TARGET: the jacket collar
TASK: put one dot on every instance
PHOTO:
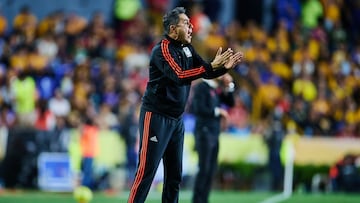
(173, 41)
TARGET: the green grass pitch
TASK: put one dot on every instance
(185, 197)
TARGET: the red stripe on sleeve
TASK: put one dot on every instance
(176, 68)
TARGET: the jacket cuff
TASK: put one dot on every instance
(208, 67)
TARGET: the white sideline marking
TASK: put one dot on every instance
(288, 179)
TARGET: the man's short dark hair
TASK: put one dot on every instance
(172, 18)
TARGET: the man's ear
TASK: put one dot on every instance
(172, 28)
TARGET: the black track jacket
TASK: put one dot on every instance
(173, 66)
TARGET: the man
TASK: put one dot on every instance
(173, 65)
(208, 105)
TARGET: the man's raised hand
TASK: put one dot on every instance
(221, 58)
(233, 60)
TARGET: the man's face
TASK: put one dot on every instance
(184, 29)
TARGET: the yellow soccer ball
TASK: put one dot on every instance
(83, 194)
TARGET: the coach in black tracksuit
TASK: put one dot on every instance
(210, 98)
(173, 65)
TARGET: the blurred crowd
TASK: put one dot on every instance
(301, 67)
(302, 63)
